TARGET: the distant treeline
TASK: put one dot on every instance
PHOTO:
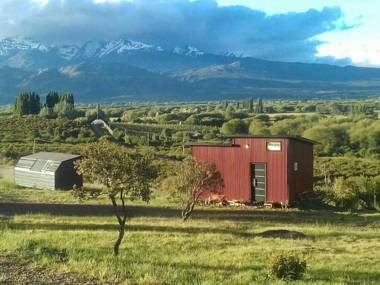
(29, 103)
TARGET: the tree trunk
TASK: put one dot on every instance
(121, 219)
(116, 246)
(186, 213)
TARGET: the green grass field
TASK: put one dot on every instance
(217, 246)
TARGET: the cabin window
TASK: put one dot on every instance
(295, 166)
(274, 146)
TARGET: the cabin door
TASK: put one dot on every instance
(258, 182)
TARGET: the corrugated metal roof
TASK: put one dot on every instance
(273, 137)
(53, 156)
(44, 161)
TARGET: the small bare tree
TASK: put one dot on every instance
(193, 180)
(124, 176)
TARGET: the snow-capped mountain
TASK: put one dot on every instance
(99, 49)
(34, 55)
(68, 52)
(123, 68)
(13, 45)
(188, 51)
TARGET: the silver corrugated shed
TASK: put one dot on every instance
(47, 170)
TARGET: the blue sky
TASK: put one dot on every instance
(330, 31)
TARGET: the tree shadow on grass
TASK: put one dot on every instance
(281, 233)
(130, 228)
(245, 215)
(268, 234)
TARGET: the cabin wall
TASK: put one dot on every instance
(276, 166)
(234, 163)
(227, 161)
(300, 180)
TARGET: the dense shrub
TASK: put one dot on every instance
(287, 266)
(234, 127)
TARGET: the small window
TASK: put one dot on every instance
(274, 146)
(295, 166)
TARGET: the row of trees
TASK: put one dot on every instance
(29, 103)
(354, 135)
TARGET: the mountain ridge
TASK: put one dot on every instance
(141, 71)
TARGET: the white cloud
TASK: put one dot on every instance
(203, 24)
(361, 53)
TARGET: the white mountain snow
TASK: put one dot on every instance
(89, 50)
(12, 45)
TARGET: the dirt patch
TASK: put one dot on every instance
(284, 234)
(13, 270)
(6, 171)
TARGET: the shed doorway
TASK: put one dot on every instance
(258, 182)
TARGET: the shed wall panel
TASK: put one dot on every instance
(67, 177)
(36, 180)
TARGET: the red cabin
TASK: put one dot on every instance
(268, 169)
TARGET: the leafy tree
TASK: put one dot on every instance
(123, 175)
(234, 127)
(331, 138)
(345, 194)
(257, 127)
(68, 98)
(63, 109)
(46, 112)
(52, 98)
(248, 104)
(259, 108)
(27, 104)
(194, 179)
(236, 115)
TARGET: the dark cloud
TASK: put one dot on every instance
(169, 23)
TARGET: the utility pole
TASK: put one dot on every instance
(34, 145)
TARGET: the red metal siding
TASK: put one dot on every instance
(228, 162)
(234, 165)
(275, 163)
(301, 180)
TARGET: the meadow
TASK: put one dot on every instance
(55, 231)
(51, 235)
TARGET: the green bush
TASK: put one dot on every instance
(287, 266)
(353, 193)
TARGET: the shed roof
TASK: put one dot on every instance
(43, 161)
(54, 156)
(274, 137)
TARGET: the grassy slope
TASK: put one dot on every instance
(218, 246)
